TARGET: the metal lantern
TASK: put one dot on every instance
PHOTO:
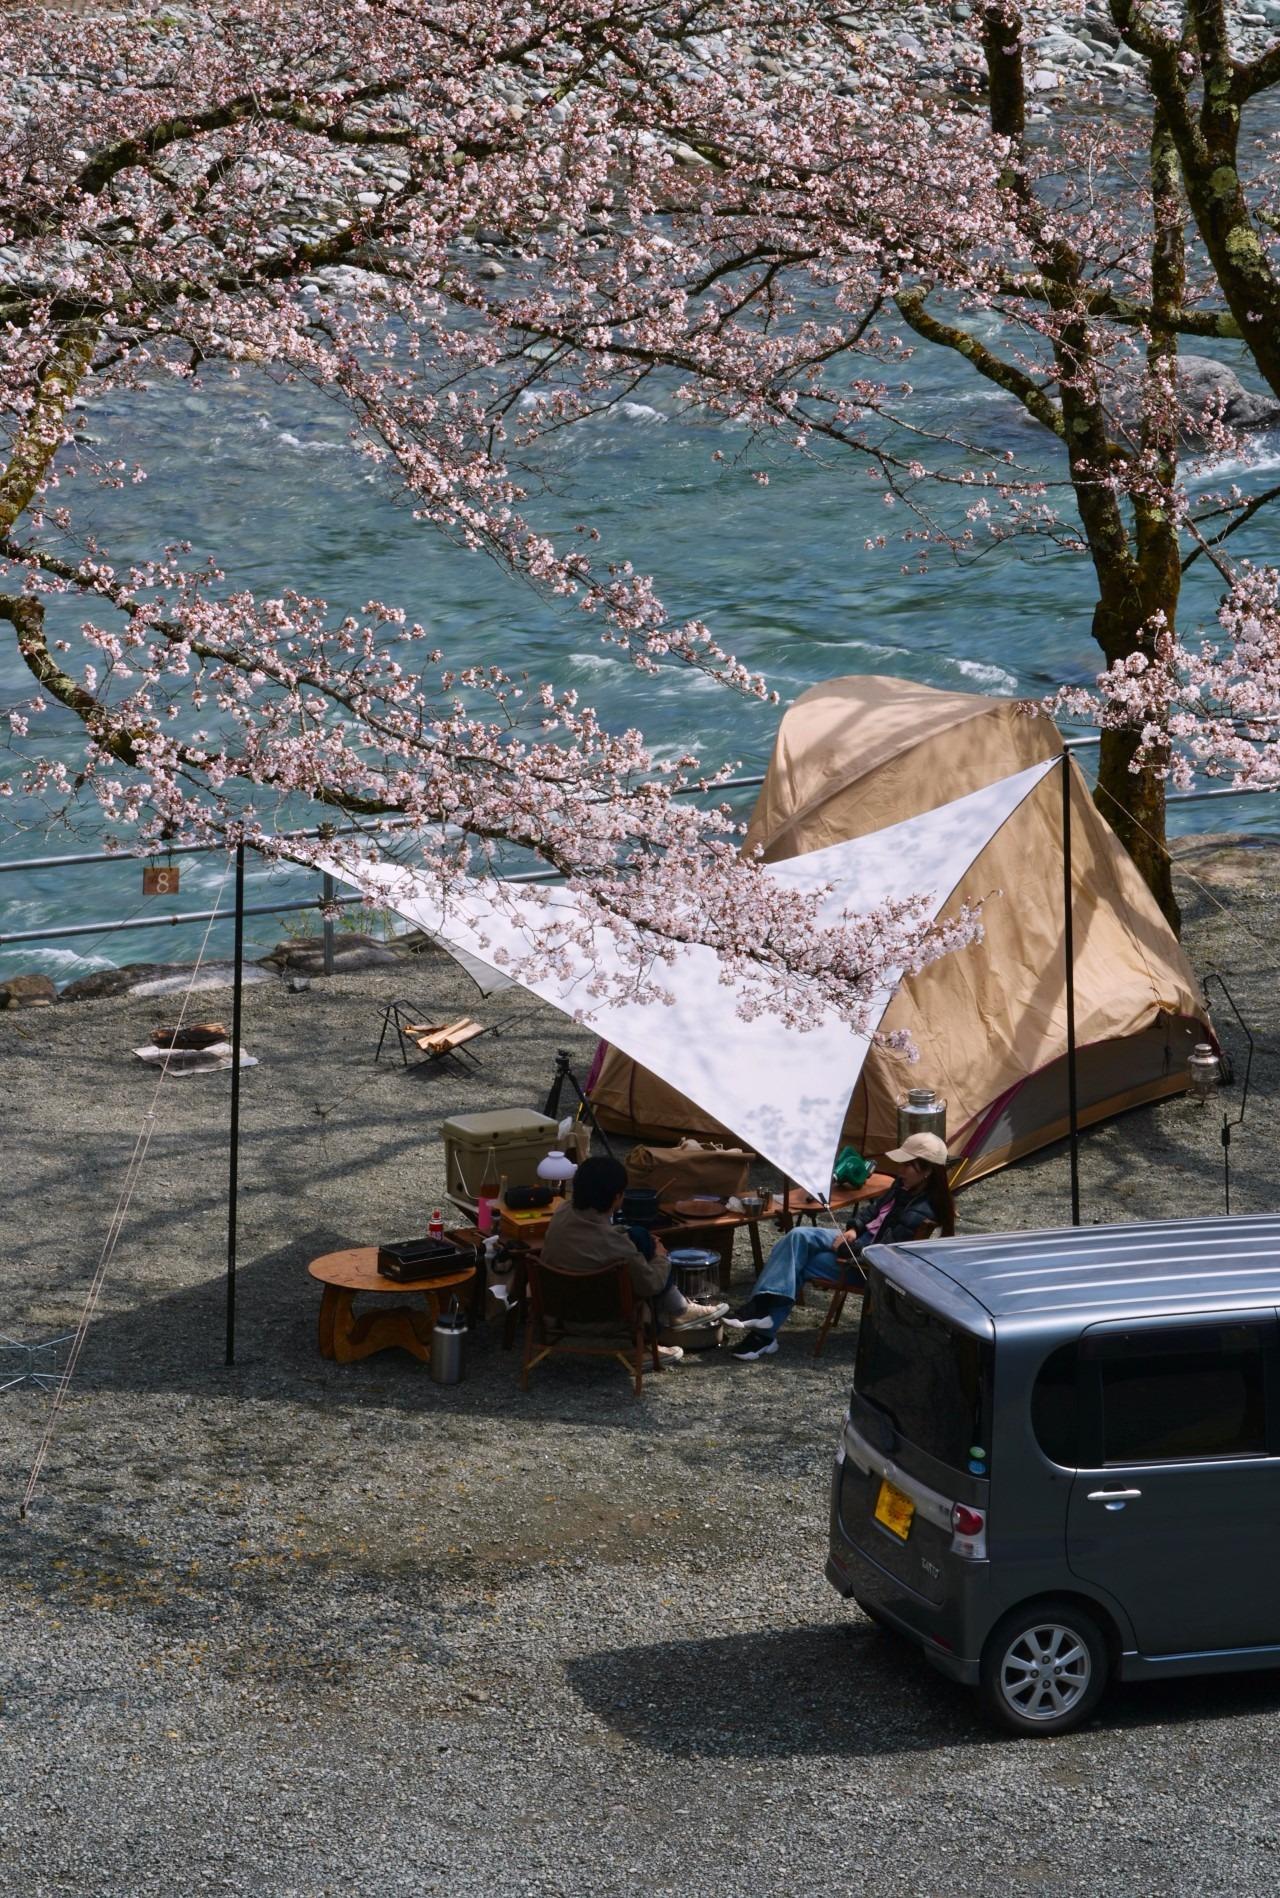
(921, 1111)
(1204, 1071)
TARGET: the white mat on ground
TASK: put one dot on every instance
(783, 1091)
(194, 1060)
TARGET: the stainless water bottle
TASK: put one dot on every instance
(446, 1347)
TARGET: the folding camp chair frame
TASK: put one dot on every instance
(409, 1021)
(545, 1336)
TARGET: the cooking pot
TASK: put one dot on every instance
(640, 1207)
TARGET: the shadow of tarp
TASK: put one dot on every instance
(176, 1343)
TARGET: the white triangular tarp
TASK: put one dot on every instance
(486, 978)
(782, 1090)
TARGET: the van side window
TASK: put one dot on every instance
(1189, 1391)
(1054, 1407)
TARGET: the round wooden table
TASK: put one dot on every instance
(345, 1337)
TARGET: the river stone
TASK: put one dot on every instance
(351, 952)
(158, 978)
(1203, 380)
(1205, 386)
(210, 975)
(27, 991)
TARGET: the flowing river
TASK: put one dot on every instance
(266, 480)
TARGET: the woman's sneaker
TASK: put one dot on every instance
(740, 1323)
(670, 1353)
(756, 1345)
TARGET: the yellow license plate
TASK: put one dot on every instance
(895, 1510)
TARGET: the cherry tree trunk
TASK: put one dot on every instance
(1133, 803)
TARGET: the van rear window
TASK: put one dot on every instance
(930, 1378)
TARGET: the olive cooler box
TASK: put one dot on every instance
(481, 1149)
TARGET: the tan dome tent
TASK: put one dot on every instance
(989, 1023)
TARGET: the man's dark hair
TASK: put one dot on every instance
(597, 1183)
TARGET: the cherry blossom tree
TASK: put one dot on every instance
(834, 226)
(754, 203)
(287, 192)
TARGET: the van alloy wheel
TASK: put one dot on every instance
(1044, 1668)
(1045, 1672)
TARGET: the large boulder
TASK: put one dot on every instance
(1210, 393)
(1206, 385)
(27, 991)
(158, 978)
(304, 955)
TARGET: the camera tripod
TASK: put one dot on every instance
(564, 1075)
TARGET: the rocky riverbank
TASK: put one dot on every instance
(297, 957)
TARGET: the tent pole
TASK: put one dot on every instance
(1069, 955)
(233, 1182)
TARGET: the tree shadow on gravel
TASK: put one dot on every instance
(839, 1688)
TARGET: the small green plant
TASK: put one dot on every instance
(368, 919)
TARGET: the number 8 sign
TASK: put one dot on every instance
(160, 880)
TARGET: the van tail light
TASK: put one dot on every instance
(968, 1532)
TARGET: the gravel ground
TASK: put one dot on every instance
(299, 1628)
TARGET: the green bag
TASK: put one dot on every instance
(850, 1168)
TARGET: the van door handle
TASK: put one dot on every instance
(1114, 1498)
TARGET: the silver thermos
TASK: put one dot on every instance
(921, 1111)
(446, 1346)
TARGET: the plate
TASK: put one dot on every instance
(707, 1207)
(895, 1510)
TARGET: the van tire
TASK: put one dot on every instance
(1044, 1667)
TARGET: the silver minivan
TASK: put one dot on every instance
(1061, 1458)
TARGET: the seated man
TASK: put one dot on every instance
(582, 1237)
(920, 1196)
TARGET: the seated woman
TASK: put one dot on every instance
(920, 1196)
(582, 1237)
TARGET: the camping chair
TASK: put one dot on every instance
(840, 1289)
(604, 1300)
(438, 1041)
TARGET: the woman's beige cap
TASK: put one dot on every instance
(925, 1147)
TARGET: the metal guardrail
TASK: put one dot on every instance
(329, 900)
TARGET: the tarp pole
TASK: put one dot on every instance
(1069, 955)
(233, 1183)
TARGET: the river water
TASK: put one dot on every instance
(265, 479)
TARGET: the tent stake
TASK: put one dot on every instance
(1069, 955)
(234, 1174)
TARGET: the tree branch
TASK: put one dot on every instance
(1005, 375)
(1218, 325)
(26, 616)
(41, 431)
(1246, 513)
(1257, 75)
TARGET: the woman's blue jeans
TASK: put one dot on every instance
(803, 1254)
